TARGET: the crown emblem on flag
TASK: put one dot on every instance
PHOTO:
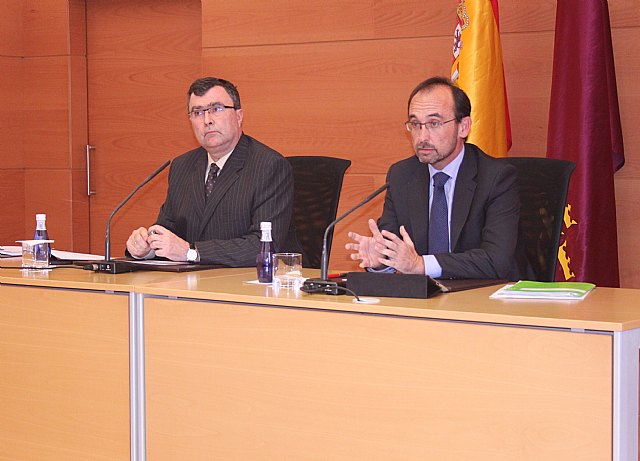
(463, 17)
(462, 21)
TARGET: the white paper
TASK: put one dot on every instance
(15, 250)
(10, 250)
(71, 256)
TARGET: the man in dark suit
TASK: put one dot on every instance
(220, 192)
(480, 205)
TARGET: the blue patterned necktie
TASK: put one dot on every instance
(211, 179)
(439, 217)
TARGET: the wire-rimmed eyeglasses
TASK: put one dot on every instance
(214, 109)
(430, 125)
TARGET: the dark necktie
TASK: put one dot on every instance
(439, 217)
(211, 179)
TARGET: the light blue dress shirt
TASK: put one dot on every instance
(431, 266)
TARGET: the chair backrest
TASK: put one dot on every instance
(543, 184)
(317, 186)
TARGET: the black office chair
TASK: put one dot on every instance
(317, 186)
(543, 184)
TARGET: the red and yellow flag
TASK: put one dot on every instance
(477, 69)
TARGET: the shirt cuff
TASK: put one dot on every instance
(431, 266)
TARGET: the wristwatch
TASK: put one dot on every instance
(192, 254)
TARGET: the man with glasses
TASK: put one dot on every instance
(220, 192)
(451, 211)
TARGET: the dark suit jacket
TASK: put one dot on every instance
(256, 184)
(484, 217)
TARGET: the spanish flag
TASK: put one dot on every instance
(477, 69)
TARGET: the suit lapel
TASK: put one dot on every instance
(196, 183)
(228, 176)
(418, 193)
(466, 183)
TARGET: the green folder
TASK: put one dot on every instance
(527, 289)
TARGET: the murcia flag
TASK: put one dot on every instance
(584, 127)
(477, 69)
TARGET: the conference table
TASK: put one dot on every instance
(206, 365)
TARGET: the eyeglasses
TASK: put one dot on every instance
(431, 125)
(215, 109)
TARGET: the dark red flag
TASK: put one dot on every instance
(584, 126)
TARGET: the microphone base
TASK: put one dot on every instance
(111, 267)
(318, 285)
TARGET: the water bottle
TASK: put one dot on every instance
(42, 234)
(264, 260)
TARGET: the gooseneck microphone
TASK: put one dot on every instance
(323, 284)
(114, 266)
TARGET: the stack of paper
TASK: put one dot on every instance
(526, 289)
(10, 251)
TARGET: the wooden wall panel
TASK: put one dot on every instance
(245, 22)
(626, 42)
(11, 115)
(50, 191)
(77, 103)
(624, 13)
(12, 206)
(628, 224)
(60, 129)
(11, 31)
(46, 103)
(11, 123)
(142, 56)
(77, 28)
(528, 62)
(47, 22)
(519, 16)
(44, 123)
(626, 45)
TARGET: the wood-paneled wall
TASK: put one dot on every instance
(43, 112)
(11, 162)
(316, 78)
(141, 57)
(332, 78)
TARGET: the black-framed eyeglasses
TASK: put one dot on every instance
(430, 125)
(215, 109)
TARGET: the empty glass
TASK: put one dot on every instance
(287, 270)
(35, 253)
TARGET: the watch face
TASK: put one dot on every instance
(192, 255)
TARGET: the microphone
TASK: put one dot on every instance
(323, 284)
(109, 265)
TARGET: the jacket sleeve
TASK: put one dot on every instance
(487, 248)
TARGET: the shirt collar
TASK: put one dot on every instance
(220, 162)
(451, 169)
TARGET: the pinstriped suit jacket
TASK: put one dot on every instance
(484, 215)
(256, 184)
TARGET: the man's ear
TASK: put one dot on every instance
(464, 127)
